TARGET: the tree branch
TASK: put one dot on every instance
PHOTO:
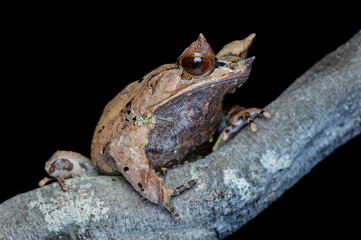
(317, 113)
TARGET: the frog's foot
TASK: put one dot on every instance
(245, 116)
(171, 192)
(61, 181)
(66, 164)
(184, 187)
(237, 118)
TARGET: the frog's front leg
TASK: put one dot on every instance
(235, 119)
(132, 162)
(66, 164)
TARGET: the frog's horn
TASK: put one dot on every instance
(200, 46)
(237, 48)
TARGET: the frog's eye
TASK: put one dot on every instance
(196, 65)
(197, 60)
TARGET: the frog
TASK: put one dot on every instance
(156, 121)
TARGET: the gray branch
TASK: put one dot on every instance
(317, 113)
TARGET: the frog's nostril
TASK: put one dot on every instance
(221, 64)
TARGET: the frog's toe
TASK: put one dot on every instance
(45, 180)
(63, 185)
(184, 187)
(265, 114)
(247, 116)
(172, 210)
(163, 173)
(60, 180)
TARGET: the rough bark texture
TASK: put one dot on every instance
(315, 115)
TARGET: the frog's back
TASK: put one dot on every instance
(137, 99)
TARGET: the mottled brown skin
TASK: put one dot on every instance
(155, 122)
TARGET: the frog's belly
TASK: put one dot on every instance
(181, 127)
(168, 153)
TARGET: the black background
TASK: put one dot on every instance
(64, 63)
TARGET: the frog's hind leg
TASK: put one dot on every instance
(168, 193)
(135, 167)
(237, 117)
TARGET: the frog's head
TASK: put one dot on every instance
(199, 62)
(197, 69)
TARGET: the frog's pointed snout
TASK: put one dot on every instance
(250, 38)
(237, 48)
(249, 61)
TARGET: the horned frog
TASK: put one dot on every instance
(156, 121)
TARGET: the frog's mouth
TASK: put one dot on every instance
(230, 71)
(232, 61)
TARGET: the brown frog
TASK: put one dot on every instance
(156, 121)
